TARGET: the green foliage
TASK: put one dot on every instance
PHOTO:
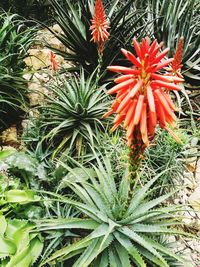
(19, 196)
(166, 153)
(27, 168)
(16, 173)
(74, 19)
(15, 199)
(73, 114)
(15, 39)
(5, 153)
(171, 20)
(19, 247)
(32, 137)
(97, 217)
(118, 228)
(30, 9)
(115, 147)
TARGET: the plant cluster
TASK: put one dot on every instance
(73, 113)
(170, 22)
(15, 40)
(86, 191)
(29, 9)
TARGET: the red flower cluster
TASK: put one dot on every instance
(53, 61)
(99, 26)
(142, 92)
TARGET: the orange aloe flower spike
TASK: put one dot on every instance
(124, 103)
(160, 56)
(160, 115)
(176, 64)
(137, 48)
(99, 26)
(53, 61)
(169, 101)
(143, 85)
(117, 123)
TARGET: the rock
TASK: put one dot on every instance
(4, 148)
(37, 89)
(43, 77)
(25, 124)
(188, 179)
(45, 37)
(171, 239)
(197, 248)
(55, 43)
(56, 28)
(194, 141)
(34, 113)
(40, 58)
(9, 136)
(189, 217)
(194, 199)
(197, 172)
(192, 159)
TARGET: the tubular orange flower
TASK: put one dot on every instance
(53, 61)
(142, 92)
(99, 26)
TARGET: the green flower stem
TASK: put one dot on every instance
(135, 160)
(100, 60)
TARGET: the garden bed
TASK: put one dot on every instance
(99, 160)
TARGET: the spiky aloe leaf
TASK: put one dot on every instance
(124, 238)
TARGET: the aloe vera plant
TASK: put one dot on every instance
(73, 113)
(116, 227)
(74, 18)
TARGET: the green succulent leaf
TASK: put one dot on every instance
(21, 196)
(5, 153)
(20, 247)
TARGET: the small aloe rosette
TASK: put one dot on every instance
(99, 26)
(142, 92)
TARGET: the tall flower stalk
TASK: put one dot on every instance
(142, 95)
(99, 31)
